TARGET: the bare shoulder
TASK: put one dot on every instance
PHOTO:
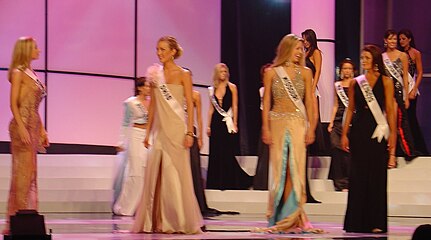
(232, 86)
(306, 71)
(269, 71)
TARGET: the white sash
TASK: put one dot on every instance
(412, 81)
(156, 75)
(291, 90)
(36, 80)
(341, 94)
(227, 116)
(391, 69)
(382, 128)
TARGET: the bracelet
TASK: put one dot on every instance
(191, 134)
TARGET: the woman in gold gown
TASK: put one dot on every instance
(286, 119)
(168, 202)
(26, 130)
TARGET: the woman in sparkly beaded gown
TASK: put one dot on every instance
(288, 86)
(26, 130)
(396, 65)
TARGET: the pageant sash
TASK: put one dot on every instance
(227, 116)
(36, 80)
(382, 128)
(341, 94)
(156, 76)
(393, 71)
(412, 82)
(291, 90)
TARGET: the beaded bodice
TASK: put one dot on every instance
(282, 105)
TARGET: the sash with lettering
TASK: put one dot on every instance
(291, 90)
(393, 71)
(412, 81)
(341, 94)
(156, 76)
(227, 116)
(382, 128)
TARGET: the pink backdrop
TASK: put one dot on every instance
(97, 36)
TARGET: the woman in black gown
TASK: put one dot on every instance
(367, 200)
(407, 44)
(224, 171)
(340, 160)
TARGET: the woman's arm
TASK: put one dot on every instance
(198, 104)
(334, 111)
(350, 109)
(150, 116)
(234, 91)
(389, 107)
(317, 57)
(419, 74)
(16, 84)
(310, 103)
(187, 83)
(267, 81)
(405, 62)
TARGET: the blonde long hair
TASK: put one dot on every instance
(22, 54)
(285, 49)
(216, 75)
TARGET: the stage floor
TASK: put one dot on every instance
(106, 227)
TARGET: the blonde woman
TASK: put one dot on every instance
(168, 202)
(26, 130)
(224, 171)
(285, 128)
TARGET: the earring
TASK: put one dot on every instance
(385, 45)
(172, 57)
(376, 68)
(341, 76)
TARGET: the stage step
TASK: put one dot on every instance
(84, 183)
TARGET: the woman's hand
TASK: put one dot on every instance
(330, 126)
(147, 141)
(24, 135)
(200, 142)
(45, 141)
(188, 141)
(309, 136)
(413, 93)
(266, 137)
(407, 103)
(345, 143)
(208, 131)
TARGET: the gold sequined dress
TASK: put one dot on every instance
(23, 188)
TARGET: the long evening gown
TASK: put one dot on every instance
(23, 193)
(137, 155)
(224, 172)
(168, 202)
(287, 157)
(340, 162)
(367, 200)
(420, 145)
(405, 142)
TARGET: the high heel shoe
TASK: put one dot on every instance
(392, 162)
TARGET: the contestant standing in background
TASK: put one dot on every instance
(260, 179)
(26, 130)
(133, 131)
(224, 172)
(195, 161)
(407, 42)
(340, 162)
(288, 86)
(396, 64)
(168, 202)
(371, 135)
(313, 60)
